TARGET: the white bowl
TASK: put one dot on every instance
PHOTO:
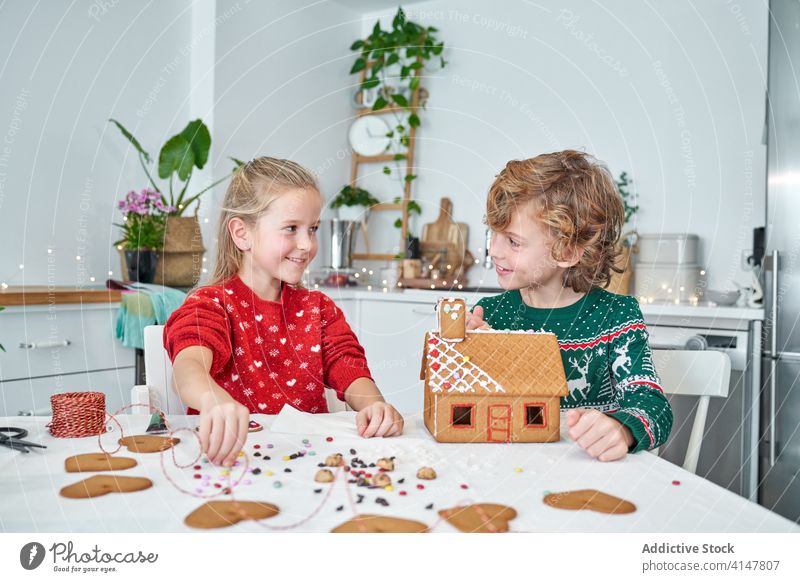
(722, 297)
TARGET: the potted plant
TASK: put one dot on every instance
(180, 263)
(394, 61)
(620, 281)
(144, 218)
(353, 203)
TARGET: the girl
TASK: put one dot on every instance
(252, 340)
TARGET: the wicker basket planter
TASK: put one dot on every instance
(180, 262)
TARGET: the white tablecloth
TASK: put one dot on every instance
(30, 484)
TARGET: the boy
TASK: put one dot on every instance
(556, 220)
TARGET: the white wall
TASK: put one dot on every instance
(281, 87)
(670, 91)
(65, 69)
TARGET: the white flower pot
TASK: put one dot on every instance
(352, 213)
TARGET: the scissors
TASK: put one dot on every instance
(13, 441)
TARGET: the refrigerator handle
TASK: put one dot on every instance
(773, 360)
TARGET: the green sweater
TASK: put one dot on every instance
(606, 357)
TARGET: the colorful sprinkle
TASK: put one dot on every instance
(312, 454)
(285, 457)
(403, 493)
(518, 469)
(305, 441)
(464, 486)
(277, 485)
(329, 439)
(420, 486)
(676, 482)
(197, 467)
(197, 475)
(270, 446)
(269, 473)
(256, 446)
(389, 488)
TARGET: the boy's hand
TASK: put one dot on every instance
(475, 319)
(601, 436)
(223, 428)
(379, 419)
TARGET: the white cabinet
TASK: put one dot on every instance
(33, 394)
(61, 348)
(392, 333)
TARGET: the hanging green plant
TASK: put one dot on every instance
(628, 198)
(395, 61)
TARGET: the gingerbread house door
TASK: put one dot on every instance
(499, 428)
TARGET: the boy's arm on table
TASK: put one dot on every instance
(643, 407)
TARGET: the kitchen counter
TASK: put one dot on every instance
(45, 295)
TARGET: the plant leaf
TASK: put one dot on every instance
(400, 100)
(380, 103)
(370, 83)
(393, 58)
(399, 157)
(357, 45)
(413, 120)
(414, 83)
(176, 156)
(387, 170)
(129, 136)
(359, 65)
(199, 138)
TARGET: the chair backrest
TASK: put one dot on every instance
(158, 376)
(158, 372)
(694, 373)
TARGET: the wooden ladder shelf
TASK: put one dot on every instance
(357, 160)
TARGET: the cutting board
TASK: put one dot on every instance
(445, 236)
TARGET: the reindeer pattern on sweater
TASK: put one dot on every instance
(606, 357)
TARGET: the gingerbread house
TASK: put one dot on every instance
(488, 385)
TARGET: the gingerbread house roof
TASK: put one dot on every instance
(490, 362)
(495, 363)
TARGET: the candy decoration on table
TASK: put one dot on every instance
(145, 443)
(426, 473)
(590, 499)
(385, 464)
(365, 523)
(78, 414)
(100, 485)
(480, 517)
(217, 514)
(253, 426)
(324, 476)
(489, 385)
(90, 462)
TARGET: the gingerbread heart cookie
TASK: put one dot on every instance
(148, 443)
(590, 499)
(380, 524)
(103, 484)
(97, 462)
(216, 514)
(480, 517)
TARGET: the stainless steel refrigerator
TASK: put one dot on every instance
(779, 447)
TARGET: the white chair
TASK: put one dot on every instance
(704, 374)
(158, 376)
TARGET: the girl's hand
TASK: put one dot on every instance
(601, 436)
(475, 319)
(223, 427)
(379, 419)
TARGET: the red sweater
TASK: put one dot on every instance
(267, 353)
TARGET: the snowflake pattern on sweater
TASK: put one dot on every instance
(270, 353)
(607, 360)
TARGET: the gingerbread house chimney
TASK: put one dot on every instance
(452, 319)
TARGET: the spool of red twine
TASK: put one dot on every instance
(78, 414)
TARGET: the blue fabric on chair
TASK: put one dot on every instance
(152, 305)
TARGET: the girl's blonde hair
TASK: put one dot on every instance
(253, 188)
(576, 197)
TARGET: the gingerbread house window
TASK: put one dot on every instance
(463, 416)
(535, 415)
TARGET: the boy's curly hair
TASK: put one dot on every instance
(576, 197)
